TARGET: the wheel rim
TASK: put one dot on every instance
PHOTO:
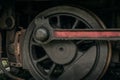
(94, 54)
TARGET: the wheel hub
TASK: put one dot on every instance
(61, 52)
(41, 34)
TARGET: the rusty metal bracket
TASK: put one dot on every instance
(2, 66)
(16, 47)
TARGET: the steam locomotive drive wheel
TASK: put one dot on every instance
(63, 59)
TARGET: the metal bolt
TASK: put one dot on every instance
(41, 34)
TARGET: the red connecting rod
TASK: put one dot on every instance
(89, 34)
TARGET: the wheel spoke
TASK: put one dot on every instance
(35, 43)
(78, 42)
(75, 24)
(58, 21)
(89, 44)
(52, 69)
(42, 59)
(85, 45)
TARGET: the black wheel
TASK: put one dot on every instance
(72, 60)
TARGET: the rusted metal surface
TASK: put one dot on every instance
(16, 47)
(1, 64)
